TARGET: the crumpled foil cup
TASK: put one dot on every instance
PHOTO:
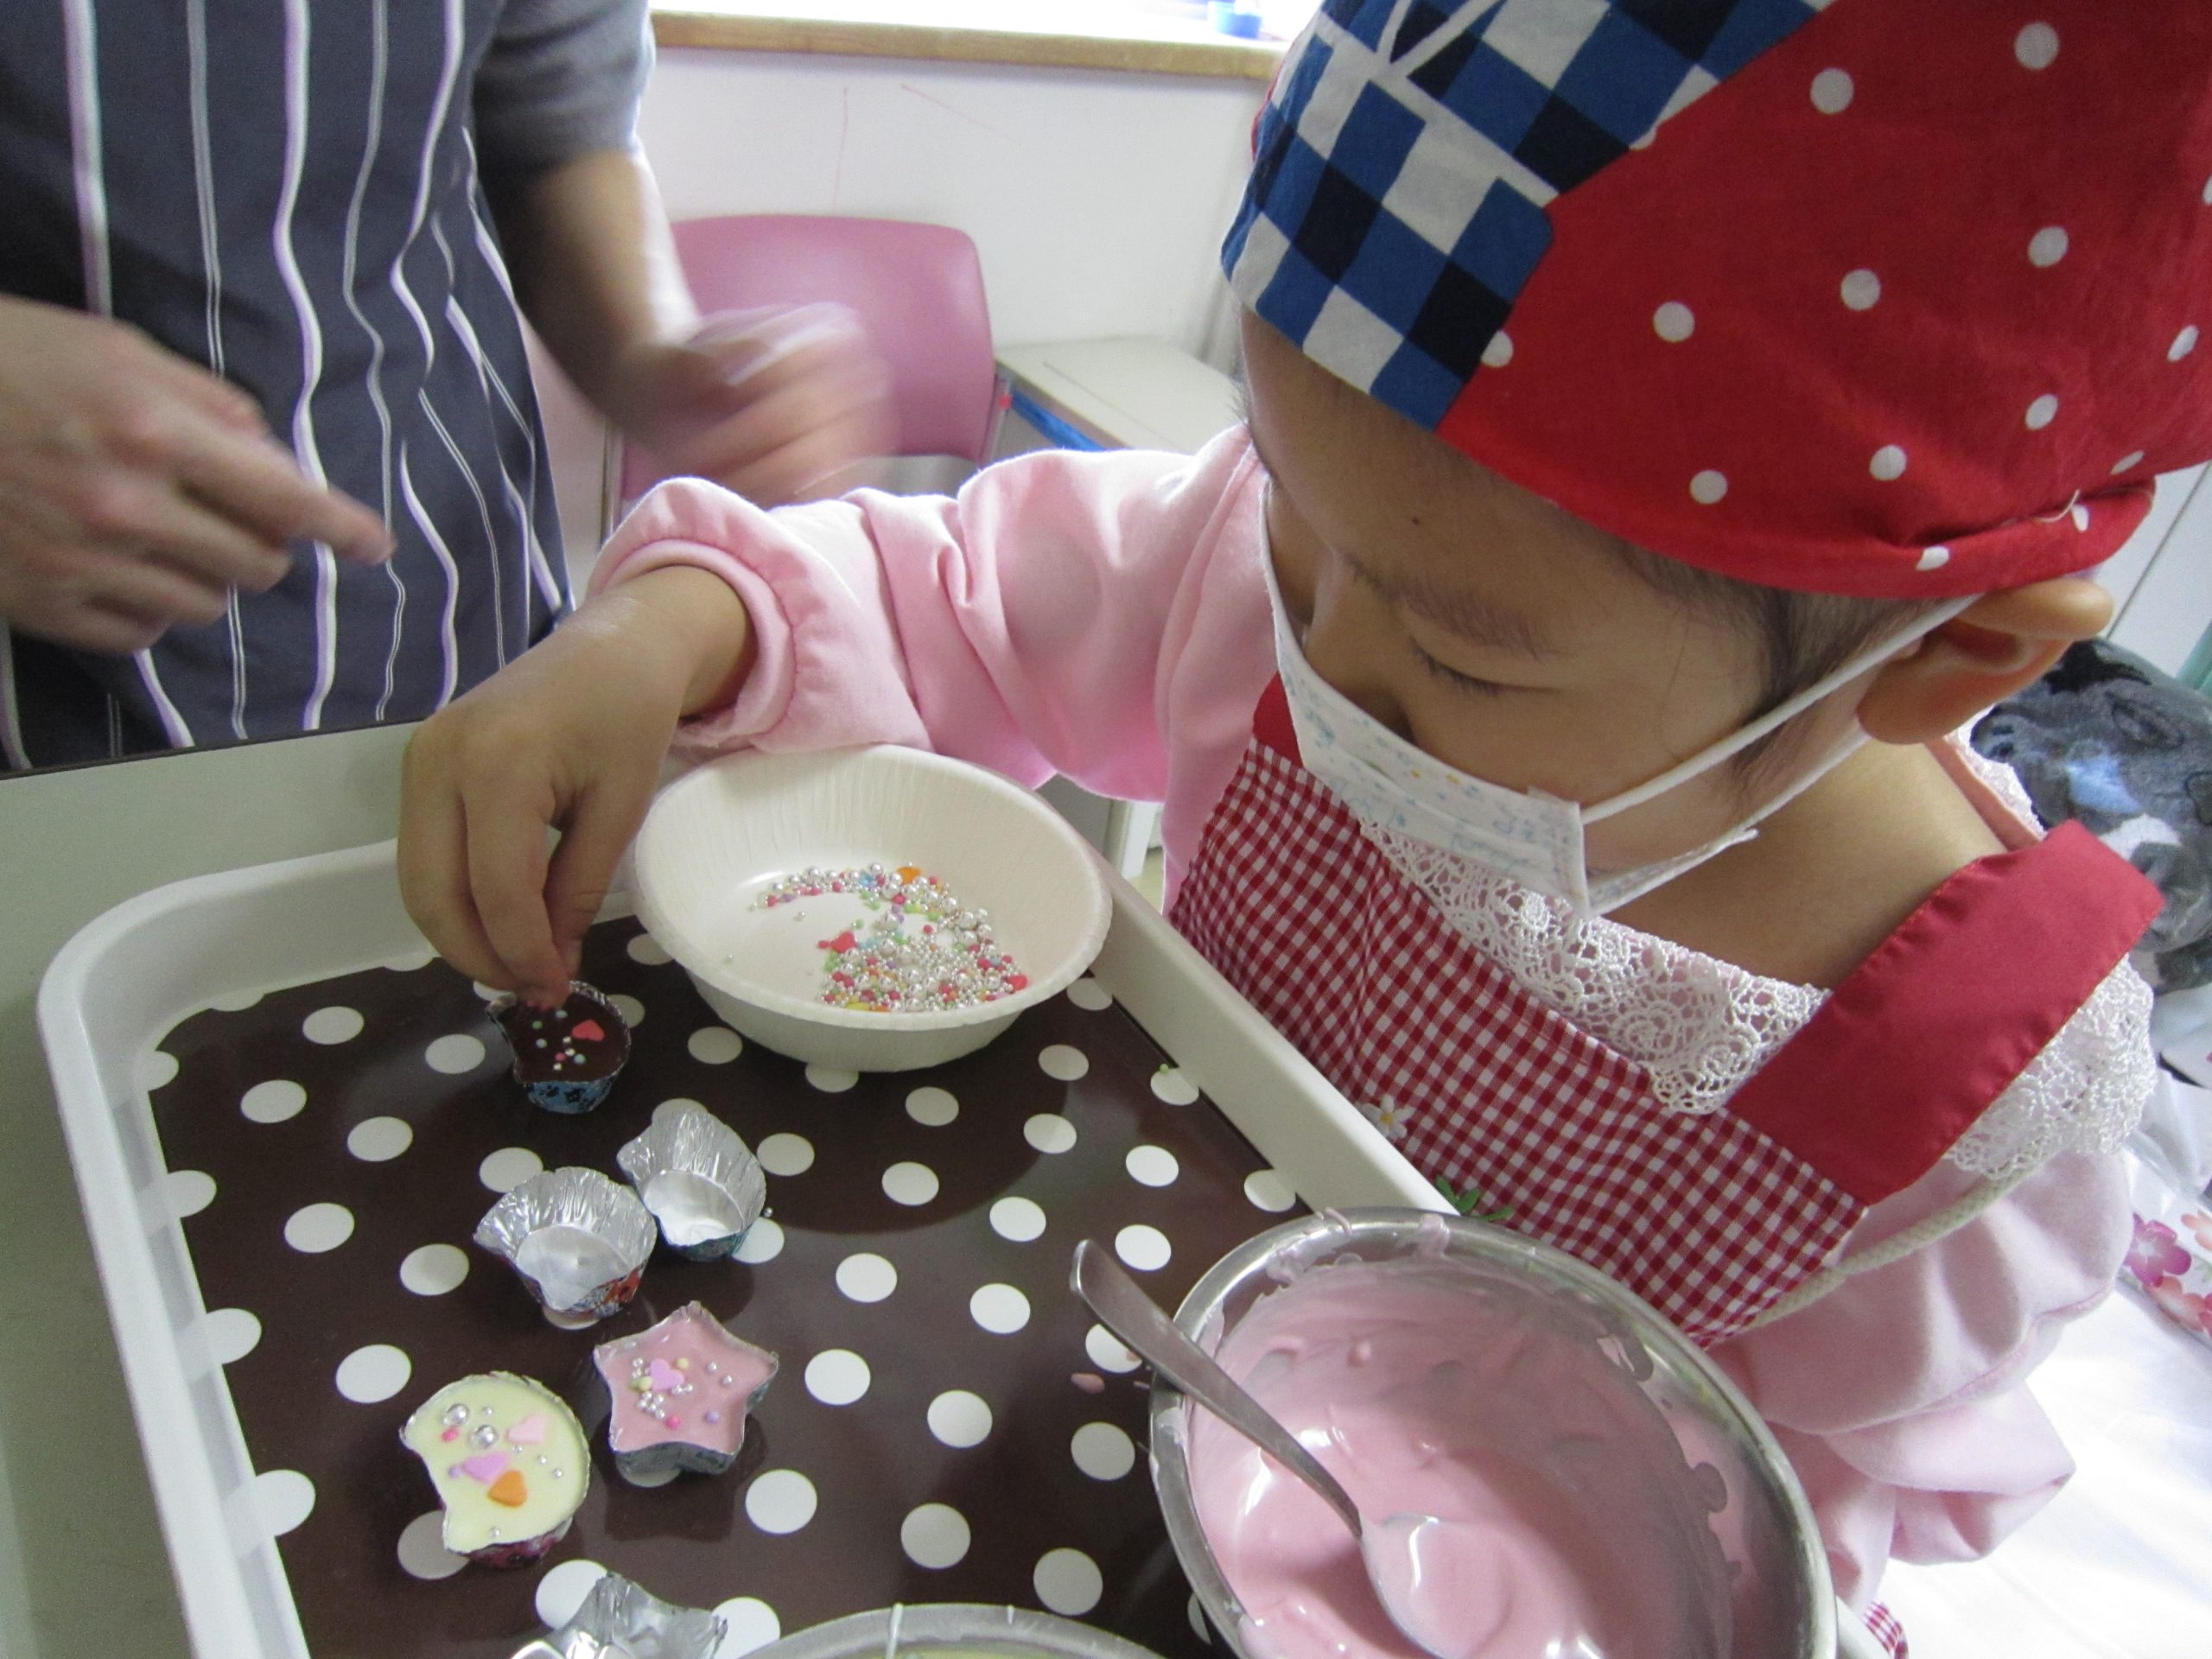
(619, 1620)
(578, 1239)
(701, 1182)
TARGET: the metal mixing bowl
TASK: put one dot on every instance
(1783, 1604)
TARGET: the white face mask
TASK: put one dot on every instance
(1532, 837)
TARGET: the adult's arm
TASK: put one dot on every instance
(767, 407)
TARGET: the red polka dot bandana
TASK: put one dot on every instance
(1877, 297)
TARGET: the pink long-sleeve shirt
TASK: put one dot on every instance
(1105, 616)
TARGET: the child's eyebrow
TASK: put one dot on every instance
(1468, 616)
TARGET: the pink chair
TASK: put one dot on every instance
(917, 289)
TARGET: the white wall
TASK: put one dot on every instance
(1096, 199)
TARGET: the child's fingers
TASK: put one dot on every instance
(600, 824)
(506, 859)
(434, 878)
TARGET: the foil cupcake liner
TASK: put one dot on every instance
(578, 1239)
(546, 1428)
(568, 1095)
(702, 1184)
(619, 1620)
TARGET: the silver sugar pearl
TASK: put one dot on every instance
(455, 1416)
(486, 1437)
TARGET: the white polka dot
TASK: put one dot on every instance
(1708, 486)
(1090, 995)
(933, 1107)
(2046, 247)
(910, 1184)
(379, 1140)
(780, 1501)
(2184, 343)
(315, 1228)
(2128, 462)
(1048, 1132)
(1104, 1452)
(750, 1623)
(1017, 1220)
(1499, 351)
(1145, 1248)
(232, 1333)
(564, 1589)
(273, 1101)
(234, 1001)
(508, 1168)
(837, 1377)
(1268, 1191)
(646, 948)
(785, 1154)
(669, 1107)
(1059, 1060)
(422, 1552)
(1067, 1581)
(631, 1010)
(376, 1372)
(1887, 463)
(1172, 1085)
(157, 1069)
(1861, 290)
(2042, 412)
(934, 1535)
(1108, 1352)
(1933, 558)
(455, 1055)
(330, 1025)
(434, 1270)
(282, 1499)
(1151, 1166)
(867, 1277)
(715, 1045)
(651, 1477)
(1000, 1309)
(831, 1079)
(1674, 322)
(2036, 46)
(1832, 90)
(764, 1241)
(959, 1419)
(1196, 1615)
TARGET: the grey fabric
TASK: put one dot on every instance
(287, 191)
(2107, 740)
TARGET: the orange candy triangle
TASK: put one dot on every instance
(509, 1490)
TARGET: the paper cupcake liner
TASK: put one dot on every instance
(568, 1095)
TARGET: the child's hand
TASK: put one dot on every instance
(569, 737)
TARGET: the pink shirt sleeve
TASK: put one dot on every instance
(1102, 616)
(1901, 1396)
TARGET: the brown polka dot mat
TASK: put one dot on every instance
(334, 1146)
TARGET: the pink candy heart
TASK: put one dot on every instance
(529, 1432)
(665, 1378)
(587, 1031)
(486, 1466)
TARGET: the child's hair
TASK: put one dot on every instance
(1802, 638)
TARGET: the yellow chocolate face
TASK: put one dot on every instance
(507, 1456)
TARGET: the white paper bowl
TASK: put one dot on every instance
(716, 835)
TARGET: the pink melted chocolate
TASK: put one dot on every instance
(1566, 1523)
(683, 1379)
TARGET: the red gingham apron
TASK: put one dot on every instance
(1710, 1217)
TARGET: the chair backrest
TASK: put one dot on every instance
(917, 289)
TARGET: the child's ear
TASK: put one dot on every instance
(1999, 644)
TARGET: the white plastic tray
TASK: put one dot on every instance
(124, 980)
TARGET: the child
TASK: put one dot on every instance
(1587, 463)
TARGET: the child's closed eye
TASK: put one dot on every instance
(1455, 678)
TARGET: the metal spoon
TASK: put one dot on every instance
(1399, 1553)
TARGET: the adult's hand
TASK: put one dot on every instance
(137, 490)
(766, 404)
